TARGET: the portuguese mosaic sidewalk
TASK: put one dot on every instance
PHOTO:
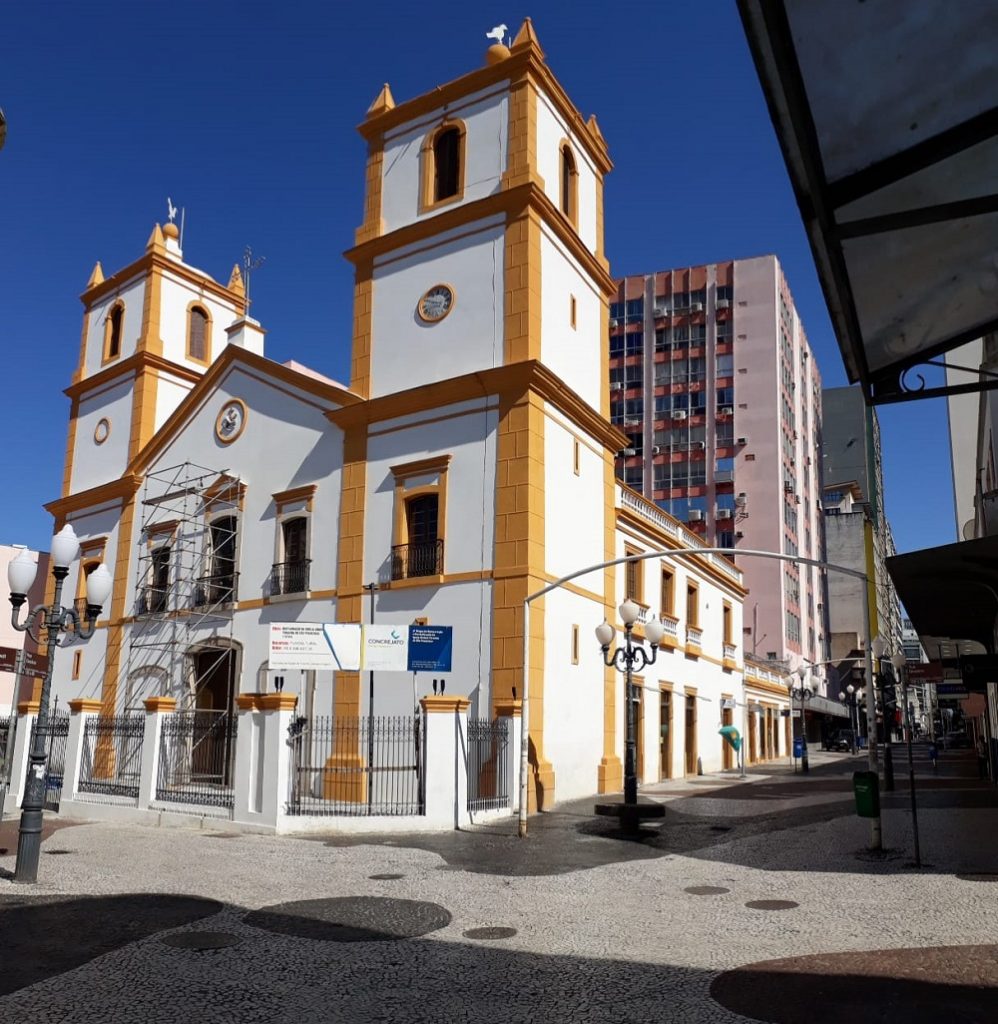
(755, 900)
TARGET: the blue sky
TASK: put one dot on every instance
(244, 114)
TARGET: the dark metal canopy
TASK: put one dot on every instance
(887, 114)
(951, 595)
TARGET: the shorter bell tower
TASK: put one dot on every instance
(149, 332)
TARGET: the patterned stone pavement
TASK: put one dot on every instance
(718, 917)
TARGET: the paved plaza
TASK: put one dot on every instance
(755, 900)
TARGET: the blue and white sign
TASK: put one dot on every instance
(430, 648)
(315, 645)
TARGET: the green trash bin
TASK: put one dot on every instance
(867, 791)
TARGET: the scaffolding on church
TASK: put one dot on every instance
(180, 639)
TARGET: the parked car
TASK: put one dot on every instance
(841, 739)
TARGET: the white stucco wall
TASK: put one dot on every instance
(573, 694)
(176, 295)
(132, 295)
(406, 351)
(575, 355)
(170, 392)
(551, 131)
(486, 118)
(574, 504)
(94, 463)
(702, 675)
(470, 502)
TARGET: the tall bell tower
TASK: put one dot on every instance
(482, 240)
(480, 277)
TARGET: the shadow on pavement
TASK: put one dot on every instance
(918, 986)
(419, 980)
(47, 935)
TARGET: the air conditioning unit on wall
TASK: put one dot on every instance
(696, 515)
(724, 513)
(679, 414)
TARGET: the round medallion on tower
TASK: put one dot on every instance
(435, 303)
(102, 431)
(231, 421)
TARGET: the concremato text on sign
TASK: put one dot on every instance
(349, 647)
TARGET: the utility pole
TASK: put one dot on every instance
(371, 588)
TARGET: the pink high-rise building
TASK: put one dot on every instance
(712, 377)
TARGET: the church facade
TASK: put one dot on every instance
(468, 464)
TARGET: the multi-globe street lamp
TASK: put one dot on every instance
(879, 649)
(900, 663)
(851, 698)
(55, 619)
(803, 693)
(628, 659)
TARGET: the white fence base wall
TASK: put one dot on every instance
(261, 777)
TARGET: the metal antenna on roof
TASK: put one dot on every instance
(249, 265)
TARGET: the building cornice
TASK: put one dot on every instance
(154, 260)
(119, 489)
(513, 203)
(529, 375)
(141, 360)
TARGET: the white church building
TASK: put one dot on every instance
(468, 464)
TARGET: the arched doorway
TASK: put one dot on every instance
(213, 683)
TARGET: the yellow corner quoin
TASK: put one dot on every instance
(439, 704)
(160, 704)
(84, 705)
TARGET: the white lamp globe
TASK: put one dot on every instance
(878, 646)
(842, 695)
(21, 572)
(654, 631)
(99, 586)
(65, 547)
(850, 689)
(899, 660)
(605, 634)
(629, 612)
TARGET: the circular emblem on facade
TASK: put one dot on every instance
(102, 431)
(231, 421)
(436, 303)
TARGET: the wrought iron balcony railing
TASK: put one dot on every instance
(152, 600)
(289, 577)
(412, 560)
(217, 589)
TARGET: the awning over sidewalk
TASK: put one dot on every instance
(951, 595)
(887, 114)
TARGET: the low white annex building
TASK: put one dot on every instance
(469, 463)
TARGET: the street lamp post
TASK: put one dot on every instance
(627, 659)
(900, 664)
(21, 572)
(879, 649)
(803, 693)
(848, 697)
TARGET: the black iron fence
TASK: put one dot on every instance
(56, 735)
(290, 577)
(111, 759)
(409, 560)
(8, 730)
(197, 751)
(356, 766)
(488, 764)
